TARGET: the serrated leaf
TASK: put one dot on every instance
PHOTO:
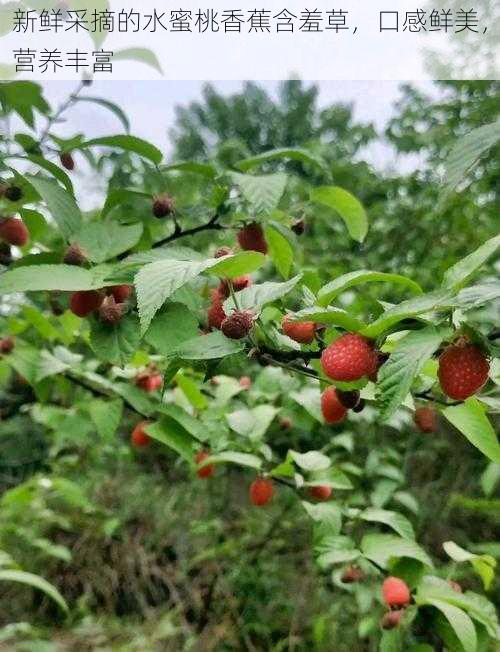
(383, 549)
(171, 433)
(262, 192)
(256, 296)
(478, 295)
(34, 278)
(244, 262)
(104, 240)
(106, 416)
(397, 522)
(60, 204)
(459, 273)
(471, 420)
(208, 347)
(332, 289)
(115, 343)
(252, 423)
(404, 364)
(171, 327)
(346, 205)
(128, 143)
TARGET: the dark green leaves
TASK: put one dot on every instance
(263, 193)
(60, 203)
(115, 343)
(470, 418)
(104, 240)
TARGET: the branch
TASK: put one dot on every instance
(64, 107)
(211, 225)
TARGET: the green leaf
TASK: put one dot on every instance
(171, 327)
(347, 206)
(397, 522)
(280, 250)
(128, 143)
(331, 477)
(234, 457)
(143, 55)
(60, 204)
(208, 347)
(404, 364)
(478, 295)
(470, 418)
(292, 153)
(264, 192)
(111, 106)
(466, 154)
(330, 316)
(106, 416)
(33, 278)
(310, 461)
(244, 262)
(193, 425)
(458, 274)
(170, 432)
(328, 513)
(50, 167)
(35, 582)
(439, 300)
(119, 196)
(490, 478)
(23, 97)
(484, 565)
(104, 240)
(252, 423)
(332, 289)
(460, 622)
(256, 296)
(203, 169)
(310, 399)
(191, 391)
(383, 549)
(115, 343)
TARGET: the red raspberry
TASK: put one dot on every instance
(251, 238)
(163, 205)
(261, 491)
(463, 370)
(7, 344)
(149, 382)
(320, 492)
(84, 302)
(395, 592)
(352, 574)
(205, 471)
(67, 161)
(75, 255)
(425, 419)
(14, 231)
(216, 314)
(120, 292)
(391, 619)
(239, 283)
(300, 331)
(139, 437)
(245, 382)
(332, 409)
(111, 312)
(348, 358)
(237, 325)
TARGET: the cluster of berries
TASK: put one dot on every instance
(109, 303)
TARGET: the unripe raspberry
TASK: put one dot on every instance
(111, 312)
(223, 251)
(13, 193)
(14, 231)
(207, 470)
(216, 314)
(391, 619)
(120, 292)
(163, 205)
(7, 344)
(285, 423)
(332, 409)
(425, 419)
(237, 325)
(395, 592)
(298, 227)
(302, 332)
(261, 491)
(320, 492)
(84, 302)
(238, 283)
(251, 238)
(348, 399)
(351, 575)
(245, 382)
(149, 382)
(463, 370)
(75, 255)
(348, 358)
(67, 161)
(5, 254)
(139, 437)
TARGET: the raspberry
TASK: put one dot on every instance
(223, 251)
(84, 302)
(425, 419)
(251, 238)
(285, 423)
(205, 471)
(395, 592)
(261, 491)
(216, 314)
(7, 344)
(332, 409)
(463, 370)
(391, 619)
(13, 193)
(320, 492)
(139, 438)
(302, 332)
(14, 231)
(298, 227)
(245, 382)
(75, 255)
(67, 161)
(348, 399)
(163, 205)
(149, 382)
(352, 574)
(111, 312)
(120, 292)
(348, 358)
(239, 283)
(237, 325)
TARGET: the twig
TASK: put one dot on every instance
(211, 225)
